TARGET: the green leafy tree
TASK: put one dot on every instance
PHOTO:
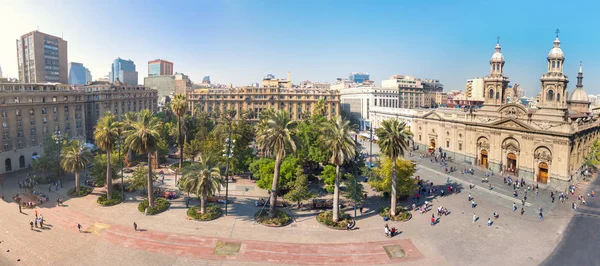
(144, 137)
(349, 188)
(139, 178)
(299, 190)
(404, 169)
(192, 149)
(328, 177)
(320, 108)
(263, 169)
(127, 120)
(204, 180)
(311, 150)
(393, 141)
(179, 106)
(338, 138)
(106, 135)
(593, 157)
(98, 170)
(44, 164)
(275, 136)
(75, 157)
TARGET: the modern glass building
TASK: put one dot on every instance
(160, 67)
(124, 70)
(358, 77)
(78, 74)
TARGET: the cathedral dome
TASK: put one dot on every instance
(497, 56)
(556, 52)
(579, 95)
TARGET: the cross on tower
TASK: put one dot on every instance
(557, 32)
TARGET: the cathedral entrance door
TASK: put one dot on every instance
(484, 158)
(511, 162)
(543, 173)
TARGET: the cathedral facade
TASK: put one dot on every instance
(545, 145)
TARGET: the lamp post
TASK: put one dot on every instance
(58, 138)
(228, 151)
(355, 177)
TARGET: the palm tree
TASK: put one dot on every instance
(127, 120)
(143, 137)
(74, 158)
(337, 137)
(320, 107)
(276, 133)
(106, 135)
(179, 106)
(393, 138)
(204, 180)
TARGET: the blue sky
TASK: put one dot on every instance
(240, 41)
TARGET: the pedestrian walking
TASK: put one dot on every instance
(36, 222)
(514, 206)
(496, 215)
(473, 204)
(361, 209)
(187, 203)
(593, 193)
(134, 226)
(432, 219)
(31, 224)
(552, 199)
(348, 226)
(20, 208)
(574, 206)
(35, 213)
(470, 198)
(146, 211)
(474, 217)
(522, 210)
(523, 202)
(489, 222)
(49, 188)
(79, 227)
(541, 215)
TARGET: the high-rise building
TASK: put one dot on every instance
(358, 77)
(160, 67)
(88, 75)
(42, 58)
(206, 80)
(124, 70)
(0, 71)
(78, 74)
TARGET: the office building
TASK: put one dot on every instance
(160, 67)
(358, 77)
(401, 92)
(117, 98)
(169, 85)
(42, 58)
(298, 102)
(78, 74)
(32, 111)
(124, 71)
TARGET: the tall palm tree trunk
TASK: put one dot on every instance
(275, 184)
(150, 182)
(77, 182)
(336, 195)
(180, 143)
(393, 204)
(108, 176)
(203, 204)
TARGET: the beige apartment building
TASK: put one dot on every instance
(31, 111)
(298, 102)
(42, 58)
(117, 98)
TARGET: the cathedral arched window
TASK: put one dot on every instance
(491, 95)
(558, 64)
(553, 64)
(550, 96)
(497, 95)
(558, 97)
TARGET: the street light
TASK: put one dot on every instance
(227, 152)
(58, 138)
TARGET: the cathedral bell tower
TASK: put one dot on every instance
(554, 82)
(495, 84)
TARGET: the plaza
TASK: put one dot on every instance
(169, 238)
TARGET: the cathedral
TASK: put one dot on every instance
(545, 145)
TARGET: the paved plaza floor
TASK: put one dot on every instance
(171, 239)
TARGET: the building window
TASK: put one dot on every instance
(33, 142)
(447, 144)
(550, 96)
(419, 137)
(66, 109)
(16, 99)
(460, 146)
(5, 135)
(31, 112)
(19, 145)
(44, 111)
(55, 109)
(20, 134)
(18, 112)
(53, 98)
(491, 95)
(4, 114)
(33, 131)
(5, 124)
